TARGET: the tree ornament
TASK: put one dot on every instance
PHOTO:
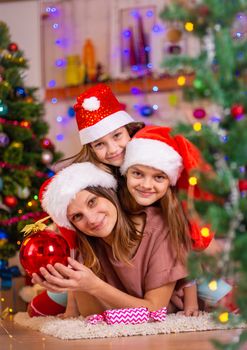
(242, 185)
(29, 99)
(203, 10)
(13, 47)
(19, 92)
(4, 139)
(46, 157)
(199, 113)
(146, 111)
(1, 184)
(25, 124)
(3, 237)
(174, 49)
(33, 204)
(237, 111)
(71, 112)
(3, 109)
(46, 143)
(10, 201)
(174, 35)
(23, 192)
(41, 248)
(16, 144)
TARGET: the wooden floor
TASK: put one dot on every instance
(14, 337)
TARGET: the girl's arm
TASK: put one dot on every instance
(71, 308)
(190, 300)
(61, 278)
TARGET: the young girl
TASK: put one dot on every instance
(104, 128)
(154, 163)
(123, 262)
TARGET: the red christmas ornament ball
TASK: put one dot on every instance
(42, 248)
(237, 110)
(10, 201)
(46, 143)
(199, 113)
(13, 47)
(242, 185)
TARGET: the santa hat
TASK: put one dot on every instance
(98, 113)
(64, 186)
(153, 146)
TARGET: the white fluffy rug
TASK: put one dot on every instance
(77, 328)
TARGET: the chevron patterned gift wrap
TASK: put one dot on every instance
(128, 316)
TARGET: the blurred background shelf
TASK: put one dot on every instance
(123, 87)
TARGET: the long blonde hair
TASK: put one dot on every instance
(124, 234)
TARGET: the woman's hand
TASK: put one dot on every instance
(60, 278)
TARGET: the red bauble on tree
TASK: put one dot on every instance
(199, 113)
(10, 201)
(46, 143)
(42, 248)
(237, 111)
(13, 47)
(242, 185)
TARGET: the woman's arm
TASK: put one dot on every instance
(61, 278)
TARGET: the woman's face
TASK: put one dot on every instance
(146, 184)
(110, 149)
(93, 215)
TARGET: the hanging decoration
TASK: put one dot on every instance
(19, 92)
(71, 112)
(13, 47)
(46, 143)
(199, 113)
(46, 157)
(4, 139)
(146, 111)
(3, 109)
(10, 201)
(23, 192)
(237, 111)
(174, 35)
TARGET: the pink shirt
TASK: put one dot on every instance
(153, 265)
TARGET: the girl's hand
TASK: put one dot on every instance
(60, 278)
(191, 310)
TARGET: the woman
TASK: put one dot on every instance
(123, 262)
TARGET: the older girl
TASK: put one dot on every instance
(124, 262)
(154, 163)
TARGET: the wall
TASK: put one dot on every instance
(86, 18)
(22, 17)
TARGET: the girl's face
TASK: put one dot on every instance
(93, 215)
(146, 184)
(110, 149)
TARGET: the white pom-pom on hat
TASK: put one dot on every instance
(91, 104)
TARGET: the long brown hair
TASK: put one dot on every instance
(177, 222)
(86, 154)
(124, 234)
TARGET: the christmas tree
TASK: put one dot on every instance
(26, 154)
(220, 129)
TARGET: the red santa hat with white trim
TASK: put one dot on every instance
(63, 187)
(154, 146)
(98, 113)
